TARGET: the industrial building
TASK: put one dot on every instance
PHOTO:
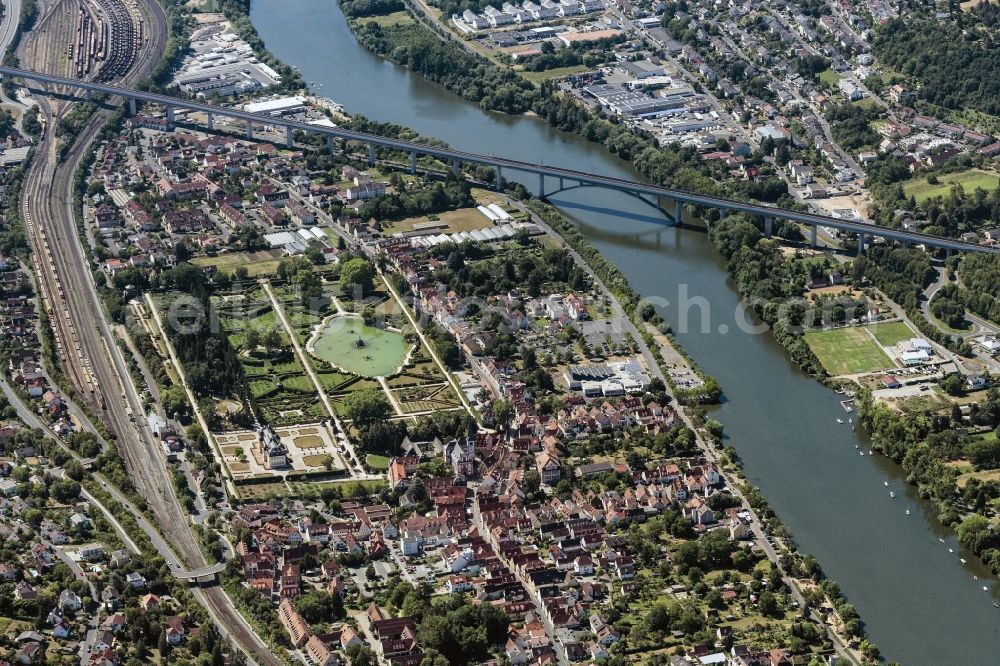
(634, 103)
(277, 107)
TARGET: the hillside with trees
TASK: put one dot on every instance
(955, 68)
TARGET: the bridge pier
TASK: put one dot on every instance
(812, 235)
(170, 114)
(861, 244)
(413, 161)
(131, 105)
(288, 137)
(249, 131)
(768, 226)
(678, 211)
(499, 177)
(561, 186)
(371, 154)
(329, 146)
(456, 166)
(541, 185)
(211, 122)
(88, 95)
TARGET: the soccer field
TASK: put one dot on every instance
(847, 351)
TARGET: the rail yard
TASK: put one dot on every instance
(120, 41)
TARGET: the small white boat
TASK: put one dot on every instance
(840, 420)
(870, 452)
(885, 483)
(985, 589)
(850, 420)
(950, 550)
(996, 605)
(861, 452)
(907, 512)
(941, 540)
(892, 494)
(962, 560)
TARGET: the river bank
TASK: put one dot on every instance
(783, 422)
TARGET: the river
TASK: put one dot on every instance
(920, 604)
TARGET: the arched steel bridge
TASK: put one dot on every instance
(651, 193)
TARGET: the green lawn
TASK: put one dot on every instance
(539, 77)
(829, 77)
(395, 18)
(891, 333)
(376, 462)
(847, 351)
(921, 190)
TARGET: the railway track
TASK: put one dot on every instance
(85, 346)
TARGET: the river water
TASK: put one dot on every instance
(920, 604)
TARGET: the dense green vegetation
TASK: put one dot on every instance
(356, 8)
(590, 54)
(851, 126)
(416, 47)
(981, 284)
(771, 283)
(420, 198)
(506, 272)
(210, 363)
(955, 68)
(925, 443)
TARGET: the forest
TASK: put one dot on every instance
(955, 68)
(509, 272)
(356, 8)
(981, 283)
(771, 283)
(210, 363)
(419, 49)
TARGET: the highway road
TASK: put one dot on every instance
(8, 25)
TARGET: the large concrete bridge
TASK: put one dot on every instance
(566, 178)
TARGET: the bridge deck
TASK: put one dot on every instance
(451, 156)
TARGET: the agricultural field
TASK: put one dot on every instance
(847, 351)
(921, 190)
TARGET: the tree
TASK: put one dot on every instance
(272, 339)
(65, 490)
(503, 412)
(658, 617)
(365, 408)
(768, 605)
(357, 273)
(163, 646)
(174, 400)
(251, 340)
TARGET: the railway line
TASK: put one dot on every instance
(124, 50)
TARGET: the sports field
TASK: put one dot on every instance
(891, 333)
(847, 351)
